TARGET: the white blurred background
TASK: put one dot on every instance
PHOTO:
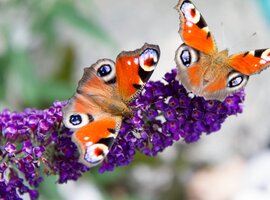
(232, 164)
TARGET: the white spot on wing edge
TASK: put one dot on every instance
(252, 53)
(136, 61)
(206, 29)
(266, 55)
(263, 62)
(189, 24)
(88, 144)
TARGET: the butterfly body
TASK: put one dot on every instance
(205, 71)
(102, 99)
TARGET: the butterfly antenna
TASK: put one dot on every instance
(254, 34)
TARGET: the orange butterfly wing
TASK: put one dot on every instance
(250, 62)
(193, 28)
(134, 68)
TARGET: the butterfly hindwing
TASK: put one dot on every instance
(193, 28)
(134, 68)
(96, 139)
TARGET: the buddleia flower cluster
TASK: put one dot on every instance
(164, 113)
(34, 143)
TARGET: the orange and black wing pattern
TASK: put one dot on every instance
(134, 68)
(193, 28)
(250, 62)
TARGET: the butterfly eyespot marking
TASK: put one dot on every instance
(77, 120)
(96, 153)
(186, 56)
(104, 70)
(190, 12)
(237, 80)
(148, 59)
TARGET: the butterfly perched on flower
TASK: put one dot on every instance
(102, 99)
(205, 71)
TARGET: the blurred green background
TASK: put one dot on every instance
(37, 67)
(44, 46)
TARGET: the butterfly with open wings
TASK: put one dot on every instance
(102, 99)
(205, 71)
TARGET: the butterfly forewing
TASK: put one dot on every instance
(193, 28)
(134, 68)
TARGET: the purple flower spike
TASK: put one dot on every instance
(28, 139)
(162, 114)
